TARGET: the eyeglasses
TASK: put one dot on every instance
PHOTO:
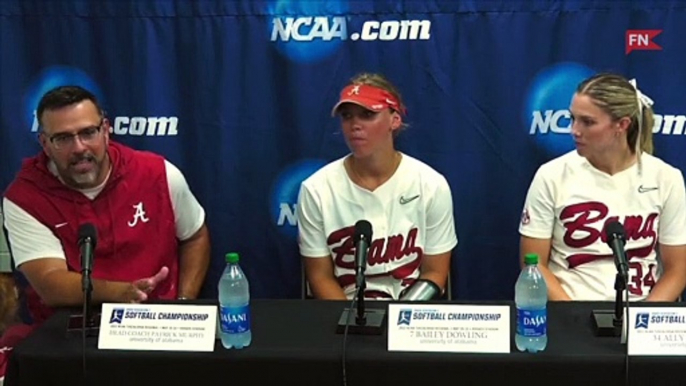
(66, 140)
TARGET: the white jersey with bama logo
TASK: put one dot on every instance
(411, 216)
(571, 202)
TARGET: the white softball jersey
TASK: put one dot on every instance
(570, 202)
(411, 216)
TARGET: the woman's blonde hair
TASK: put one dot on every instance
(615, 95)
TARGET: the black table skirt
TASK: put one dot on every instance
(294, 342)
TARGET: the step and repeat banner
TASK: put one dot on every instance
(238, 95)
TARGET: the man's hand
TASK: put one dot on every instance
(138, 290)
(58, 287)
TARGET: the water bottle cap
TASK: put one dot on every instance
(232, 257)
(530, 258)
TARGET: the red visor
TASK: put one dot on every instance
(369, 97)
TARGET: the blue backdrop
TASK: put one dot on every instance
(238, 95)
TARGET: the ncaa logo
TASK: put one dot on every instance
(642, 320)
(117, 316)
(285, 194)
(56, 76)
(404, 317)
(306, 30)
(546, 106)
(50, 78)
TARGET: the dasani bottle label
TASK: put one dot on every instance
(235, 320)
(532, 323)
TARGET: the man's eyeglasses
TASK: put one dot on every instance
(66, 140)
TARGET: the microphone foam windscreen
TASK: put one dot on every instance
(87, 230)
(614, 229)
(363, 228)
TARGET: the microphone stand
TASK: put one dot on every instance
(361, 320)
(620, 284)
(87, 294)
(86, 322)
(607, 322)
(367, 321)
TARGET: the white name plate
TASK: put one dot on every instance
(448, 328)
(157, 327)
(657, 331)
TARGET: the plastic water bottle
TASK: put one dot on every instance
(531, 299)
(234, 304)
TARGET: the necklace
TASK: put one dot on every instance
(371, 183)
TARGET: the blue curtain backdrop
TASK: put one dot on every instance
(238, 95)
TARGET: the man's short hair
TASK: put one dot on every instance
(63, 96)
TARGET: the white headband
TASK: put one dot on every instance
(642, 98)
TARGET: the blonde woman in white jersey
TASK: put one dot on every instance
(611, 176)
(407, 202)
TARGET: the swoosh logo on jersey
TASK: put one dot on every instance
(60, 225)
(641, 189)
(404, 200)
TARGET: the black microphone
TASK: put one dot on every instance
(608, 323)
(86, 322)
(367, 321)
(362, 239)
(616, 238)
(87, 240)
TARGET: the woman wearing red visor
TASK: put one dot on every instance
(408, 204)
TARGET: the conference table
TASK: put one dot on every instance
(295, 343)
